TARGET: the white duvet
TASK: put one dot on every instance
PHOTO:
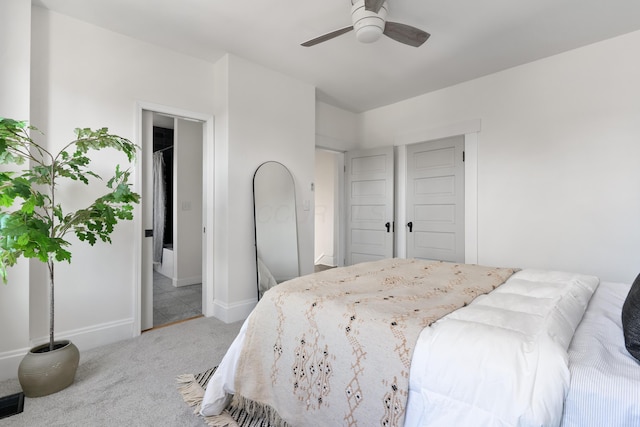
(501, 361)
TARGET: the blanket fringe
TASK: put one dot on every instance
(260, 410)
(193, 393)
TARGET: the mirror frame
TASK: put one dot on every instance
(256, 208)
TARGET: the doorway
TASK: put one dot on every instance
(328, 189)
(175, 287)
(470, 132)
(177, 219)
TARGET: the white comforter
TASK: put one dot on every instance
(501, 361)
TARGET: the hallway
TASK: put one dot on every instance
(171, 304)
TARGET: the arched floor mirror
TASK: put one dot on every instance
(276, 229)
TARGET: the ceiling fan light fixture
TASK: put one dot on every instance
(368, 33)
(370, 24)
(367, 24)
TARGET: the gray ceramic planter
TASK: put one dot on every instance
(45, 372)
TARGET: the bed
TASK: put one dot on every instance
(421, 343)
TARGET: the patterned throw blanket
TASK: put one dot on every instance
(335, 348)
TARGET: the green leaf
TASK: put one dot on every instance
(6, 200)
(38, 228)
(29, 205)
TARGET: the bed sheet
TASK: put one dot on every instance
(605, 378)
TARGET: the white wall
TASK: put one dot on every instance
(336, 129)
(15, 39)
(84, 76)
(260, 115)
(558, 181)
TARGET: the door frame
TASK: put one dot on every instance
(471, 130)
(207, 206)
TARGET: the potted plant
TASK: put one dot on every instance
(38, 226)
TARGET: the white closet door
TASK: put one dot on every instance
(369, 194)
(435, 200)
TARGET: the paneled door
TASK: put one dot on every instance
(435, 200)
(369, 194)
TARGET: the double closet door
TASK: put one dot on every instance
(434, 209)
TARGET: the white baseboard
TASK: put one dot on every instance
(187, 281)
(235, 312)
(326, 260)
(9, 362)
(98, 335)
(84, 338)
(166, 266)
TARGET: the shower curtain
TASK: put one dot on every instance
(158, 206)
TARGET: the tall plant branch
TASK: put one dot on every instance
(38, 228)
(52, 283)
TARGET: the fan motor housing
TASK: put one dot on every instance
(367, 24)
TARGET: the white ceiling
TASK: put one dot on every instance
(469, 38)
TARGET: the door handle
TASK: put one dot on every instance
(388, 225)
(410, 225)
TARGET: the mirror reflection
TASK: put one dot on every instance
(276, 228)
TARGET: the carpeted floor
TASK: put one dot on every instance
(133, 382)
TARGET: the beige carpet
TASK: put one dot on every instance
(131, 383)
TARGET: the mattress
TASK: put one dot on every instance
(605, 378)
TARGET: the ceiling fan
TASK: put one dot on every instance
(369, 18)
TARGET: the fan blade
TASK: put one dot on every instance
(327, 36)
(405, 34)
(373, 5)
